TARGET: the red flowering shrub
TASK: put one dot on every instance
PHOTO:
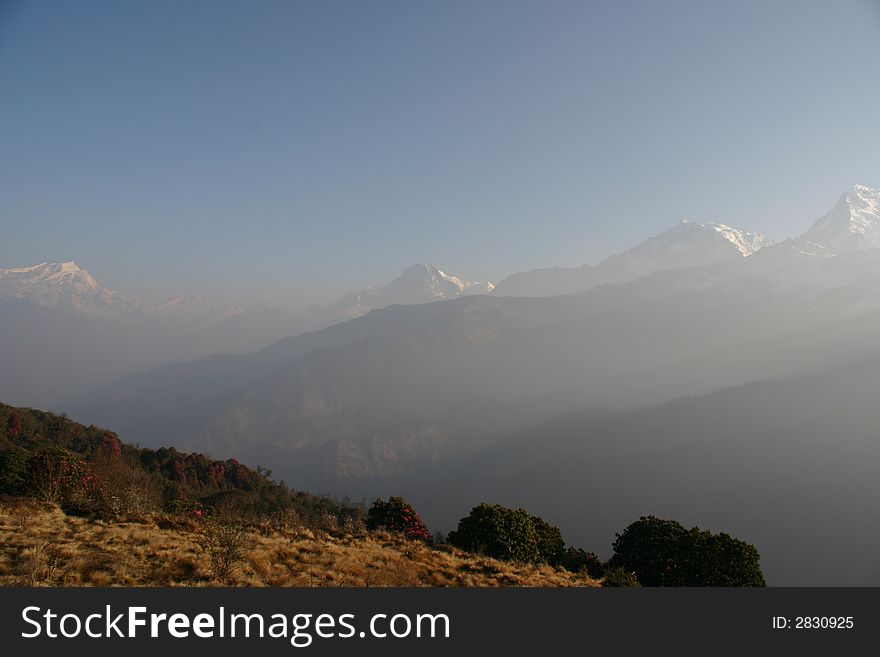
(398, 516)
(13, 425)
(56, 475)
(109, 445)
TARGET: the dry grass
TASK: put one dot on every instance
(41, 546)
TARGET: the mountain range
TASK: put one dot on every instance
(688, 244)
(386, 392)
(63, 334)
(596, 379)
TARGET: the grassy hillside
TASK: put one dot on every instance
(40, 545)
(79, 507)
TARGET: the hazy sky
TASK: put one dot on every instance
(287, 151)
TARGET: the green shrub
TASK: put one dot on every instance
(577, 560)
(13, 470)
(551, 547)
(398, 516)
(620, 578)
(508, 534)
(664, 553)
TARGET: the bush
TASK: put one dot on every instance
(397, 515)
(664, 553)
(508, 534)
(620, 577)
(225, 546)
(226, 543)
(55, 475)
(13, 471)
(580, 561)
(551, 547)
(127, 490)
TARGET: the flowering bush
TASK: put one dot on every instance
(56, 475)
(398, 516)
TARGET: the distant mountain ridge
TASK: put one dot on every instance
(397, 393)
(66, 284)
(412, 384)
(687, 244)
(419, 283)
(56, 317)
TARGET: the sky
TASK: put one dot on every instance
(287, 152)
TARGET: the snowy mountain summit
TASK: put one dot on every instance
(19, 281)
(746, 242)
(700, 239)
(419, 283)
(854, 223)
(687, 244)
(67, 285)
(61, 283)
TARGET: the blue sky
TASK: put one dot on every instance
(289, 151)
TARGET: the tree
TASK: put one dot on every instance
(578, 560)
(498, 532)
(663, 553)
(13, 470)
(551, 547)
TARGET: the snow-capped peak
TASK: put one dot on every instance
(61, 283)
(53, 272)
(439, 283)
(424, 282)
(746, 242)
(418, 283)
(854, 223)
(21, 281)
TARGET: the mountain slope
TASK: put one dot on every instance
(377, 396)
(406, 386)
(161, 503)
(63, 334)
(155, 552)
(854, 223)
(790, 463)
(419, 283)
